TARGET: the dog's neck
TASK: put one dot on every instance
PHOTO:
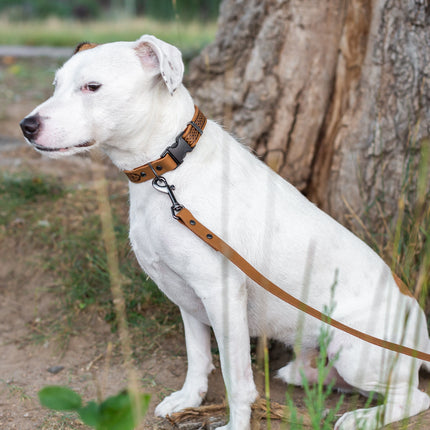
(154, 129)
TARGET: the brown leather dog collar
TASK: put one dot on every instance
(173, 156)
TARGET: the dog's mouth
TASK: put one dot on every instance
(86, 144)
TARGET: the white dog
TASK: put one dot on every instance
(128, 99)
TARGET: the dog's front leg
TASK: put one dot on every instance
(227, 312)
(197, 338)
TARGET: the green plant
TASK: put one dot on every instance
(403, 237)
(317, 394)
(411, 237)
(15, 390)
(120, 412)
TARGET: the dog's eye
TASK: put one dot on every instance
(91, 87)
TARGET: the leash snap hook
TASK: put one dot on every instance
(160, 184)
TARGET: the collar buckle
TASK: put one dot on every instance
(178, 150)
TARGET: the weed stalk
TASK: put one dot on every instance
(109, 240)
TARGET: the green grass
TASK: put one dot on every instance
(190, 37)
(403, 240)
(411, 238)
(63, 226)
(24, 191)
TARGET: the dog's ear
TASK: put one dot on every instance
(84, 46)
(155, 53)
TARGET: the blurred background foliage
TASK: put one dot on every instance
(188, 24)
(20, 10)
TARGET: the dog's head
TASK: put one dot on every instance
(102, 93)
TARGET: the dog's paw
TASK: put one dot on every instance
(178, 401)
(290, 374)
(362, 419)
(229, 426)
(346, 422)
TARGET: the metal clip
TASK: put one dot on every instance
(160, 184)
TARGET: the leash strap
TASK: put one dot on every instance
(186, 218)
(174, 155)
(171, 158)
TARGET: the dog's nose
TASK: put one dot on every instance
(30, 126)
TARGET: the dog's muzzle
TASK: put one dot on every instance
(31, 127)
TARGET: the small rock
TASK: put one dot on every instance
(55, 369)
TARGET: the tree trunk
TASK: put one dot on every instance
(333, 95)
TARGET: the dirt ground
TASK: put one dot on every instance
(91, 359)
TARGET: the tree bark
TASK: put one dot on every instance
(333, 95)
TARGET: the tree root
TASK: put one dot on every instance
(207, 414)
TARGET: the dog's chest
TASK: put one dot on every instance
(155, 242)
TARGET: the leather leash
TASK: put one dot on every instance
(172, 157)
